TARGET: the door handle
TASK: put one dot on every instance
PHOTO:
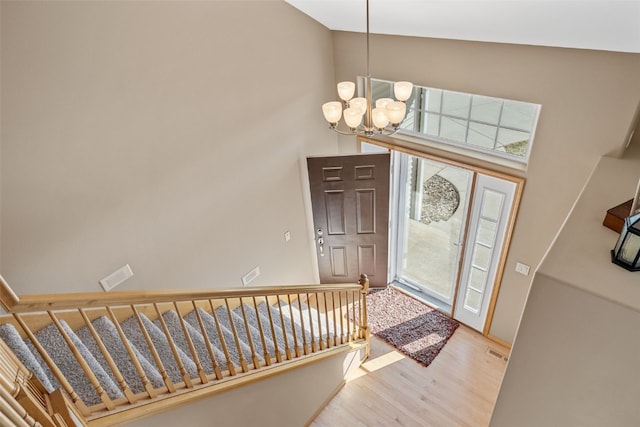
(319, 232)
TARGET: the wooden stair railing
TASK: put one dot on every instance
(152, 346)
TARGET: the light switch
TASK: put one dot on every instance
(522, 268)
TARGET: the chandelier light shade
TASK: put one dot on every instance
(626, 254)
(360, 115)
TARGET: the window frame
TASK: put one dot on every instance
(419, 108)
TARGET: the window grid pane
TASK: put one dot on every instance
(500, 126)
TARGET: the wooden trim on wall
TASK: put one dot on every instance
(515, 207)
(499, 341)
(498, 171)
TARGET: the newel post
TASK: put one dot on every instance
(364, 324)
(8, 299)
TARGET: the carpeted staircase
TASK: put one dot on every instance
(234, 335)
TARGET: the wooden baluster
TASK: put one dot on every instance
(34, 404)
(192, 348)
(273, 331)
(335, 320)
(354, 333)
(326, 319)
(12, 413)
(6, 396)
(254, 355)
(8, 377)
(342, 340)
(364, 327)
(54, 368)
(313, 339)
(107, 356)
(230, 365)
(33, 391)
(83, 363)
(287, 349)
(348, 316)
(207, 342)
(267, 356)
(293, 325)
(243, 362)
(9, 417)
(132, 355)
(171, 388)
(174, 349)
(305, 346)
(320, 340)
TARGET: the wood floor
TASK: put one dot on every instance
(459, 388)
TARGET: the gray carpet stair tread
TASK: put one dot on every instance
(133, 332)
(314, 318)
(281, 332)
(56, 347)
(295, 322)
(276, 335)
(12, 338)
(238, 322)
(287, 310)
(291, 328)
(172, 320)
(111, 339)
(215, 339)
(253, 318)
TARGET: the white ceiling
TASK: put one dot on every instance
(612, 25)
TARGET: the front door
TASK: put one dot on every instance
(432, 218)
(350, 202)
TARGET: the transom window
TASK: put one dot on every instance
(502, 127)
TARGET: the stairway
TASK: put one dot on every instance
(187, 348)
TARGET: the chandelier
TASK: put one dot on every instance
(359, 114)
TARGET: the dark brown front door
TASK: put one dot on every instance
(350, 200)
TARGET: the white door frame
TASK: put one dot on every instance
(502, 258)
(491, 246)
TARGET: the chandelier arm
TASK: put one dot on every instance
(341, 132)
(369, 133)
(391, 131)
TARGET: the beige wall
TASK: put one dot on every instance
(169, 135)
(588, 100)
(575, 359)
(574, 363)
(166, 135)
(288, 399)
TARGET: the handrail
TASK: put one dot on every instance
(44, 302)
(8, 299)
(231, 333)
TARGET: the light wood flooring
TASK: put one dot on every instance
(459, 388)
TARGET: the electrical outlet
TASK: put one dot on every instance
(287, 236)
(522, 268)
